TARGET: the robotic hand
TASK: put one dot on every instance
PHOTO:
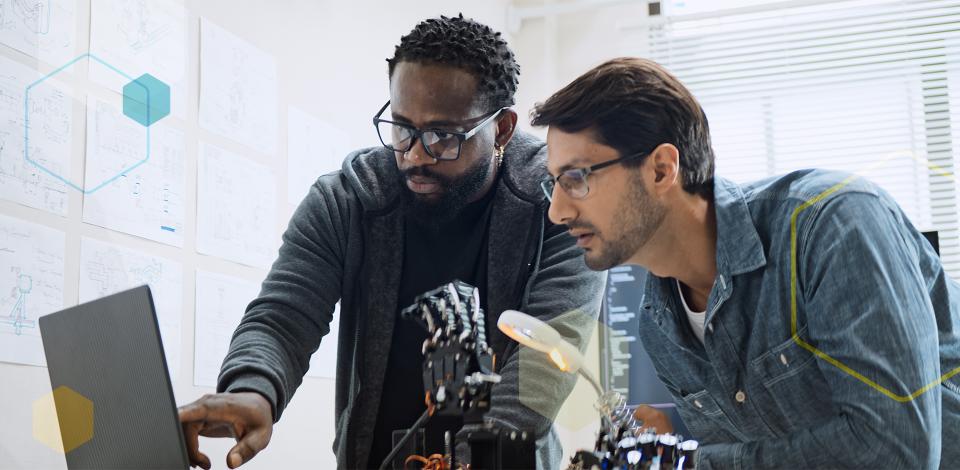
(458, 375)
(458, 363)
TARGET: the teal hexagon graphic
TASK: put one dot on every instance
(148, 90)
(146, 99)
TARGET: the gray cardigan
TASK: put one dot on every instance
(345, 243)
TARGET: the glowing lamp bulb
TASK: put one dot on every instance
(558, 360)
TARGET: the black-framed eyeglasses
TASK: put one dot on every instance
(440, 144)
(574, 181)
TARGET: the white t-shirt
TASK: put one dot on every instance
(696, 319)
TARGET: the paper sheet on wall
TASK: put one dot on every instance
(137, 37)
(323, 363)
(31, 285)
(314, 148)
(236, 208)
(107, 268)
(238, 89)
(221, 302)
(50, 139)
(44, 29)
(147, 201)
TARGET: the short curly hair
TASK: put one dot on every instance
(463, 43)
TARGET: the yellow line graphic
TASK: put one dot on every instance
(793, 287)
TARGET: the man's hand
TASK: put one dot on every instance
(653, 418)
(245, 416)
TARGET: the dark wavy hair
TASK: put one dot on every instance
(634, 105)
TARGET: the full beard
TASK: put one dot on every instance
(455, 194)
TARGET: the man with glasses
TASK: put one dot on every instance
(451, 194)
(799, 322)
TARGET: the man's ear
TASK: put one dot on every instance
(506, 126)
(664, 162)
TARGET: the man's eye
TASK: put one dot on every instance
(442, 135)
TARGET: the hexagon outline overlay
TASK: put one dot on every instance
(26, 125)
(793, 291)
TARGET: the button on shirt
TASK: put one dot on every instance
(869, 292)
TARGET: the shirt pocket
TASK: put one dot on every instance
(799, 394)
(703, 416)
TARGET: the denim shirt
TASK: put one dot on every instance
(871, 297)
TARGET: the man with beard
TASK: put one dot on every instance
(799, 322)
(451, 194)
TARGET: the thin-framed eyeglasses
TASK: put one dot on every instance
(439, 143)
(574, 181)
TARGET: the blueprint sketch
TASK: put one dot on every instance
(106, 269)
(238, 89)
(31, 285)
(221, 302)
(236, 208)
(51, 131)
(43, 29)
(314, 148)
(147, 201)
(141, 36)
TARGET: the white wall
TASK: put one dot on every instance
(575, 36)
(331, 60)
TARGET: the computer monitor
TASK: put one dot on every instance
(626, 367)
(109, 351)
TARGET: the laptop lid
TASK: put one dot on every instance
(109, 350)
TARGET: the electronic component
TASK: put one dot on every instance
(458, 374)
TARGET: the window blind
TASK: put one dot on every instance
(854, 85)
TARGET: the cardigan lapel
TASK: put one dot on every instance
(513, 223)
(383, 269)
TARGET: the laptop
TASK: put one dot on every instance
(109, 351)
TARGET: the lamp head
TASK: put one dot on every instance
(536, 334)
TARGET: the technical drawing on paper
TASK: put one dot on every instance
(138, 31)
(31, 285)
(106, 269)
(147, 201)
(238, 89)
(35, 15)
(236, 208)
(314, 148)
(221, 302)
(50, 139)
(43, 29)
(141, 36)
(18, 317)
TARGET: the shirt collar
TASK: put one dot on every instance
(739, 249)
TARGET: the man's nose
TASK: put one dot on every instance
(417, 156)
(561, 210)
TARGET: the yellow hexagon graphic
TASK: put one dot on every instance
(793, 283)
(63, 419)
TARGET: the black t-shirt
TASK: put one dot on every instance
(432, 257)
